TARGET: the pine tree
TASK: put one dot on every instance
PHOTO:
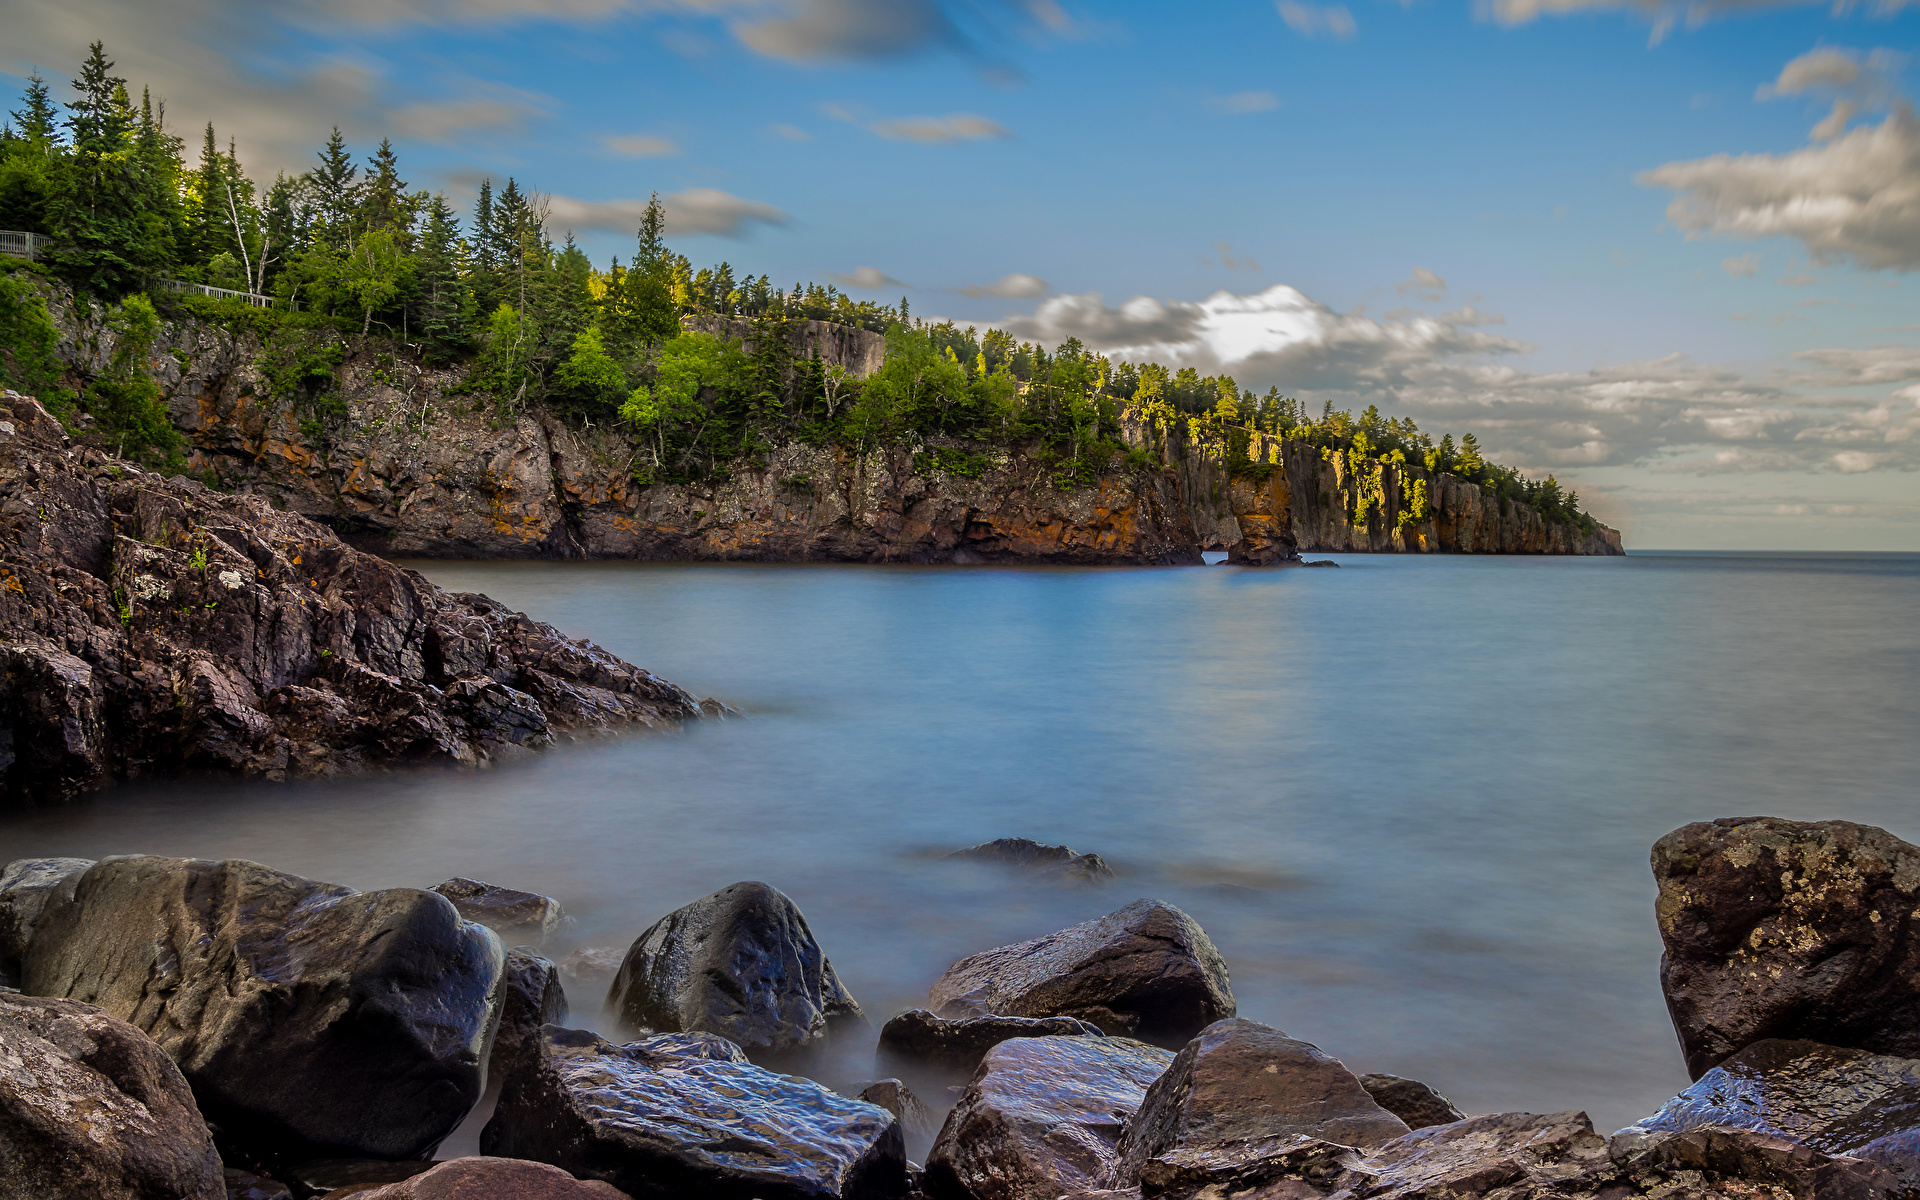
(386, 204)
(336, 192)
(439, 308)
(109, 238)
(28, 159)
(39, 122)
(209, 229)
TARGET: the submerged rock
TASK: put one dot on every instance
(1410, 1100)
(515, 916)
(1789, 929)
(1147, 970)
(25, 886)
(741, 963)
(1057, 861)
(919, 1036)
(591, 965)
(312, 1020)
(664, 1126)
(479, 1178)
(1041, 1117)
(91, 1109)
(530, 996)
(1242, 1082)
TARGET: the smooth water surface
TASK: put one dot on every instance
(1411, 800)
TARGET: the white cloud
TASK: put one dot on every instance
(1245, 262)
(867, 278)
(1016, 286)
(640, 145)
(1741, 266)
(1423, 283)
(696, 210)
(957, 127)
(1664, 14)
(1240, 103)
(1310, 20)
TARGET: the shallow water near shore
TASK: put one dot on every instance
(1411, 800)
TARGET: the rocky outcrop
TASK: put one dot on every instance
(479, 1178)
(311, 1020)
(1789, 929)
(530, 996)
(1410, 1100)
(661, 1126)
(515, 916)
(1147, 970)
(25, 887)
(1060, 862)
(920, 1037)
(1241, 1083)
(91, 1109)
(1041, 1118)
(741, 963)
(153, 626)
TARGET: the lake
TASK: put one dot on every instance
(1411, 800)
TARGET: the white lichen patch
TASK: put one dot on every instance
(233, 580)
(148, 588)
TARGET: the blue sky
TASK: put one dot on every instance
(1531, 220)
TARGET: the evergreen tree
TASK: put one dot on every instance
(109, 240)
(336, 192)
(386, 204)
(439, 309)
(28, 158)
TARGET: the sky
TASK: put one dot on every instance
(1666, 252)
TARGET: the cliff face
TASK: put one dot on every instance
(416, 469)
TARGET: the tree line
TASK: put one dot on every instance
(352, 254)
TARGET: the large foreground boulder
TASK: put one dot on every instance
(663, 1126)
(313, 1021)
(515, 916)
(918, 1036)
(1042, 1117)
(1241, 1082)
(1147, 971)
(91, 1109)
(25, 886)
(741, 963)
(479, 1178)
(1789, 929)
(530, 996)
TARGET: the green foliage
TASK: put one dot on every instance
(968, 464)
(125, 400)
(28, 344)
(589, 381)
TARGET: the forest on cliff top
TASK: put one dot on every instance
(351, 255)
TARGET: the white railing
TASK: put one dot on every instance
(253, 298)
(21, 244)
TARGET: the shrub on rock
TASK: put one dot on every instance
(741, 963)
(311, 1020)
(91, 1109)
(1147, 970)
(662, 1126)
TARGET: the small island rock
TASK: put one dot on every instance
(1057, 861)
(1147, 970)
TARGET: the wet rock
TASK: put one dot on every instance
(1899, 1153)
(1833, 1099)
(1041, 1117)
(694, 1045)
(336, 1176)
(1262, 1168)
(245, 1185)
(1147, 970)
(591, 965)
(1789, 929)
(1242, 1082)
(917, 1122)
(312, 1020)
(515, 916)
(664, 1126)
(741, 963)
(480, 1178)
(917, 1035)
(530, 996)
(1410, 1100)
(1055, 861)
(91, 1109)
(155, 627)
(25, 886)
(1717, 1161)
(1483, 1154)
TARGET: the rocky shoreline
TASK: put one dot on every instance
(186, 1028)
(153, 626)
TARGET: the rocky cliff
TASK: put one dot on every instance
(153, 626)
(414, 467)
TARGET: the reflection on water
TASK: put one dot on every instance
(1411, 800)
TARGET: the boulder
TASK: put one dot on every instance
(917, 1123)
(1789, 929)
(312, 1021)
(1899, 1153)
(1052, 861)
(663, 1126)
(515, 916)
(1241, 1082)
(530, 996)
(479, 1178)
(1410, 1100)
(919, 1036)
(1041, 1117)
(740, 963)
(25, 886)
(331, 1176)
(1147, 970)
(694, 1045)
(1832, 1099)
(91, 1109)
(245, 1185)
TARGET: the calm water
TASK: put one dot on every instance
(1411, 800)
